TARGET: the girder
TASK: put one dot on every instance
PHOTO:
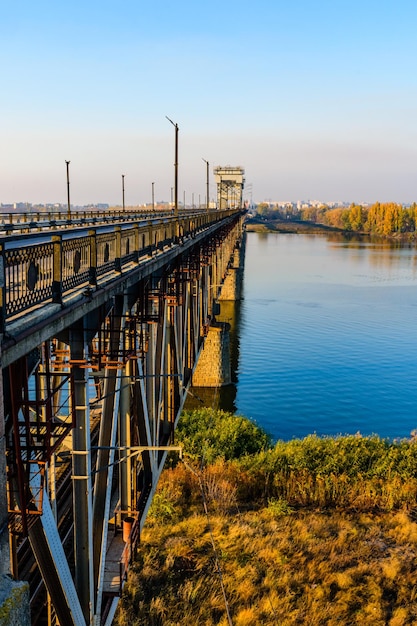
(92, 405)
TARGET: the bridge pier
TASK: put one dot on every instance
(213, 366)
(232, 287)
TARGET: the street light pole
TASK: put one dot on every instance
(207, 183)
(123, 192)
(153, 196)
(176, 167)
(68, 192)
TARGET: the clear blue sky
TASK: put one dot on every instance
(316, 99)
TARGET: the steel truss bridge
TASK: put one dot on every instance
(102, 321)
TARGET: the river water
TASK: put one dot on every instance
(327, 336)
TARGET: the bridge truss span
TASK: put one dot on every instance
(101, 333)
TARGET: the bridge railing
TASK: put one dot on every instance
(33, 274)
(30, 221)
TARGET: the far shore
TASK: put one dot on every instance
(259, 225)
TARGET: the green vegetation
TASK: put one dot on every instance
(207, 435)
(317, 531)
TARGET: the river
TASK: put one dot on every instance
(327, 336)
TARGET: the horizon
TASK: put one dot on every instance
(314, 99)
(253, 203)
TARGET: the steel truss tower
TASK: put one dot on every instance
(230, 183)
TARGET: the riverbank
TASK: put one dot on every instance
(312, 531)
(263, 225)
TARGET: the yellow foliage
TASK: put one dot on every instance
(246, 617)
(399, 617)
(404, 528)
(391, 567)
(344, 580)
(246, 590)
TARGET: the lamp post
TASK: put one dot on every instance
(175, 167)
(153, 196)
(123, 192)
(207, 183)
(68, 192)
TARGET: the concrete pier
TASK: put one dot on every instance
(213, 366)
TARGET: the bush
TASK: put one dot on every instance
(207, 434)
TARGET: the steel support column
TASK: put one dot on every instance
(81, 469)
(107, 442)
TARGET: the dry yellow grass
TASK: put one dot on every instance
(315, 568)
(312, 532)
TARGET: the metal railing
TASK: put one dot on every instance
(34, 274)
(30, 221)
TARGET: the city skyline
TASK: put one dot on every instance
(314, 100)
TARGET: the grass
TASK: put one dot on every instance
(317, 531)
(310, 567)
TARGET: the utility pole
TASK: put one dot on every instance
(68, 192)
(175, 167)
(207, 184)
(123, 192)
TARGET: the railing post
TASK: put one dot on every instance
(136, 231)
(57, 269)
(173, 231)
(150, 239)
(2, 292)
(93, 257)
(118, 251)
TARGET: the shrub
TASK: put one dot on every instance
(207, 434)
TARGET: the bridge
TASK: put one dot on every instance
(102, 321)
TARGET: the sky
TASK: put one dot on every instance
(315, 99)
